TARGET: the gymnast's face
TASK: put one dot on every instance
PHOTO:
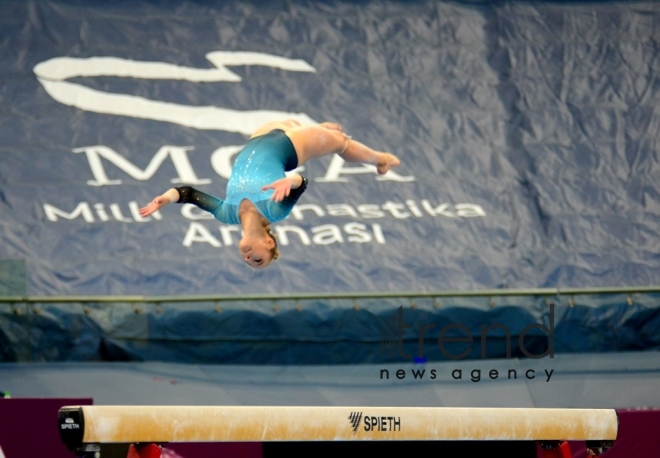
(256, 251)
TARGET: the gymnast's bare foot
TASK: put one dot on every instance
(385, 162)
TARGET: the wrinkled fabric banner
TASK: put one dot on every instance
(528, 135)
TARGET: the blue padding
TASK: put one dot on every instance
(333, 332)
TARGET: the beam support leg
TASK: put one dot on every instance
(144, 451)
(554, 449)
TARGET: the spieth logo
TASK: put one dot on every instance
(355, 418)
(372, 423)
(69, 423)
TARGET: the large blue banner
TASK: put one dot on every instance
(528, 135)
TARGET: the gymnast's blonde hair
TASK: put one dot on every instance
(273, 251)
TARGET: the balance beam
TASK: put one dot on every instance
(80, 425)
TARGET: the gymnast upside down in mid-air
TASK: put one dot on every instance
(259, 193)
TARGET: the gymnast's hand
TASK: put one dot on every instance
(282, 189)
(153, 206)
(171, 195)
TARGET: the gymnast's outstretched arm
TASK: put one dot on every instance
(183, 195)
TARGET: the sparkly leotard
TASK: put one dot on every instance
(262, 161)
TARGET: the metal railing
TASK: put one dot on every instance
(336, 295)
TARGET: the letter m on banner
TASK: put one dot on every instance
(178, 155)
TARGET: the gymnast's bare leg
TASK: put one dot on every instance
(328, 138)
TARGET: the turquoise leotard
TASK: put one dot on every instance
(263, 160)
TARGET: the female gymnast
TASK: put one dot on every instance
(259, 193)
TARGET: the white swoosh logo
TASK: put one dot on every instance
(53, 73)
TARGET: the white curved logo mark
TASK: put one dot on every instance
(53, 73)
